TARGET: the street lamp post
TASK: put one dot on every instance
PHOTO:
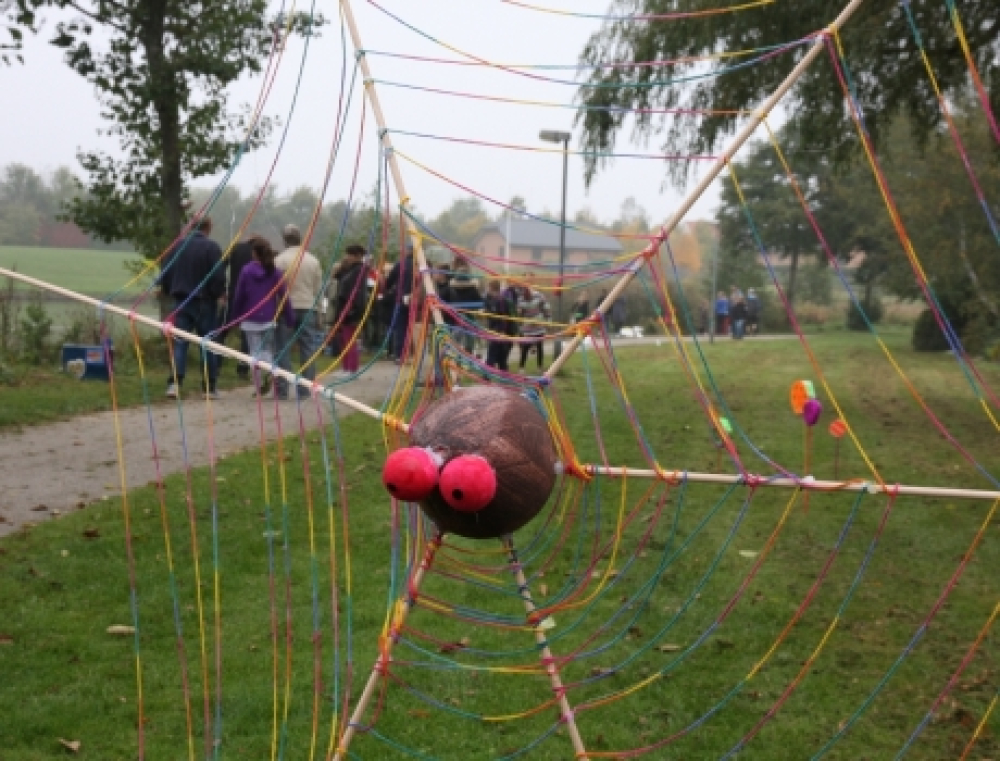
(554, 136)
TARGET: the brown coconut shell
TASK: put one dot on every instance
(504, 427)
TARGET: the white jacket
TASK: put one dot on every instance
(306, 282)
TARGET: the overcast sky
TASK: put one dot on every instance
(50, 113)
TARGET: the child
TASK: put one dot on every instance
(259, 293)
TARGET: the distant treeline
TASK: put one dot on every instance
(31, 206)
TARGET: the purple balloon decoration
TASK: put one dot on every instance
(811, 412)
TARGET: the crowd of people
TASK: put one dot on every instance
(284, 309)
(737, 314)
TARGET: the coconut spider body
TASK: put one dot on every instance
(502, 427)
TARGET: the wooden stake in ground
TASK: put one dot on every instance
(565, 709)
(403, 606)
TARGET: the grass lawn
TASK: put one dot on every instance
(95, 273)
(693, 591)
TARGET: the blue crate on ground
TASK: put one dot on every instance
(87, 362)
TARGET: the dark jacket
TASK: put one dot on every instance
(188, 265)
(239, 257)
(465, 292)
(498, 307)
(258, 294)
(738, 312)
(400, 280)
(352, 293)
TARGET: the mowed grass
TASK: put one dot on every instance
(703, 585)
(94, 273)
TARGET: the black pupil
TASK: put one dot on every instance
(457, 493)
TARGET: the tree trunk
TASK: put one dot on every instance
(168, 130)
(793, 272)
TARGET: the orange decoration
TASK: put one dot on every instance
(802, 392)
(838, 428)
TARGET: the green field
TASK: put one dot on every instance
(829, 600)
(94, 273)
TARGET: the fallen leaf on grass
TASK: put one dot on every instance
(91, 533)
(71, 745)
(669, 648)
(599, 672)
(452, 647)
(121, 631)
(543, 589)
(749, 553)
(6, 639)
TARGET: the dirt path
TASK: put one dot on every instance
(53, 469)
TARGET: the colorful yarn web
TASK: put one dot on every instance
(650, 609)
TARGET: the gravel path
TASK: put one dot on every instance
(52, 469)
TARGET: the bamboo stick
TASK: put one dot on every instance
(692, 198)
(806, 484)
(397, 176)
(213, 346)
(565, 709)
(403, 607)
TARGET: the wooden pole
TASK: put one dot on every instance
(216, 348)
(692, 198)
(403, 606)
(565, 709)
(397, 176)
(791, 483)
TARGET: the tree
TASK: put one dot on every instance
(161, 75)
(632, 220)
(779, 221)
(878, 43)
(14, 21)
(460, 222)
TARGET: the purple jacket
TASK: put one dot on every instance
(252, 302)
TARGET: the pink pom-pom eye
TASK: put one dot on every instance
(468, 483)
(410, 474)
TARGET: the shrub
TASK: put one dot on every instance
(36, 325)
(874, 310)
(927, 334)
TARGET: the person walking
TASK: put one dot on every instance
(738, 315)
(467, 298)
(399, 291)
(581, 307)
(304, 280)
(193, 276)
(619, 314)
(239, 257)
(533, 308)
(735, 296)
(259, 295)
(350, 304)
(499, 308)
(721, 313)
